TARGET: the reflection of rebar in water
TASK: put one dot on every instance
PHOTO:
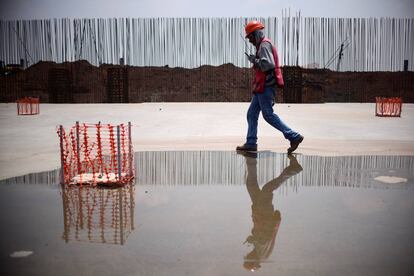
(101, 215)
(226, 168)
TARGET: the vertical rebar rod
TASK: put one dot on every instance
(118, 138)
(78, 148)
(378, 44)
(130, 149)
(62, 170)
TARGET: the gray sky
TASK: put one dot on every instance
(41, 9)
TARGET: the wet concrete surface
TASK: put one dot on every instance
(29, 144)
(216, 213)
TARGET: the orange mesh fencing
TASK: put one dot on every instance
(96, 154)
(98, 215)
(388, 107)
(28, 106)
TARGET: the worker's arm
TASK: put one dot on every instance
(264, 57)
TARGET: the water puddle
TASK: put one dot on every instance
(21, 254)
(216, 213)
(390, 179)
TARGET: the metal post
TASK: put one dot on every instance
(130, 149)
(78, 147)
(62, 177)
(118, 134)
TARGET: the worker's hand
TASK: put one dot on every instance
(251, 58)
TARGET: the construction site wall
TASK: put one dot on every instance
(81, 82)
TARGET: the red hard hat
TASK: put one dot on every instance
(253, 26)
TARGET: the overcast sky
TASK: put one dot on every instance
(41, 9)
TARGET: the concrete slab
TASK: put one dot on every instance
(30, 143)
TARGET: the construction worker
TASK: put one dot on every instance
(267, 76)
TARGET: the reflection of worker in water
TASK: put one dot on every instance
(266, 220)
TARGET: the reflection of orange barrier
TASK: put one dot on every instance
(97, 154)
(98, 215)
(28, 106)
(388, 107)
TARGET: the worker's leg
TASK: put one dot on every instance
(265, 101)
(252, 120)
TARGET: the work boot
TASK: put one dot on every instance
(294, 144)
(247, 147)
(247, 154)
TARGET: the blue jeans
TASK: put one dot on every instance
(263, 102)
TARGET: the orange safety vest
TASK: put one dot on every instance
(260, 77)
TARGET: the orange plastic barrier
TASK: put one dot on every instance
(96, 154)
(28, 106)
(388, 107)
